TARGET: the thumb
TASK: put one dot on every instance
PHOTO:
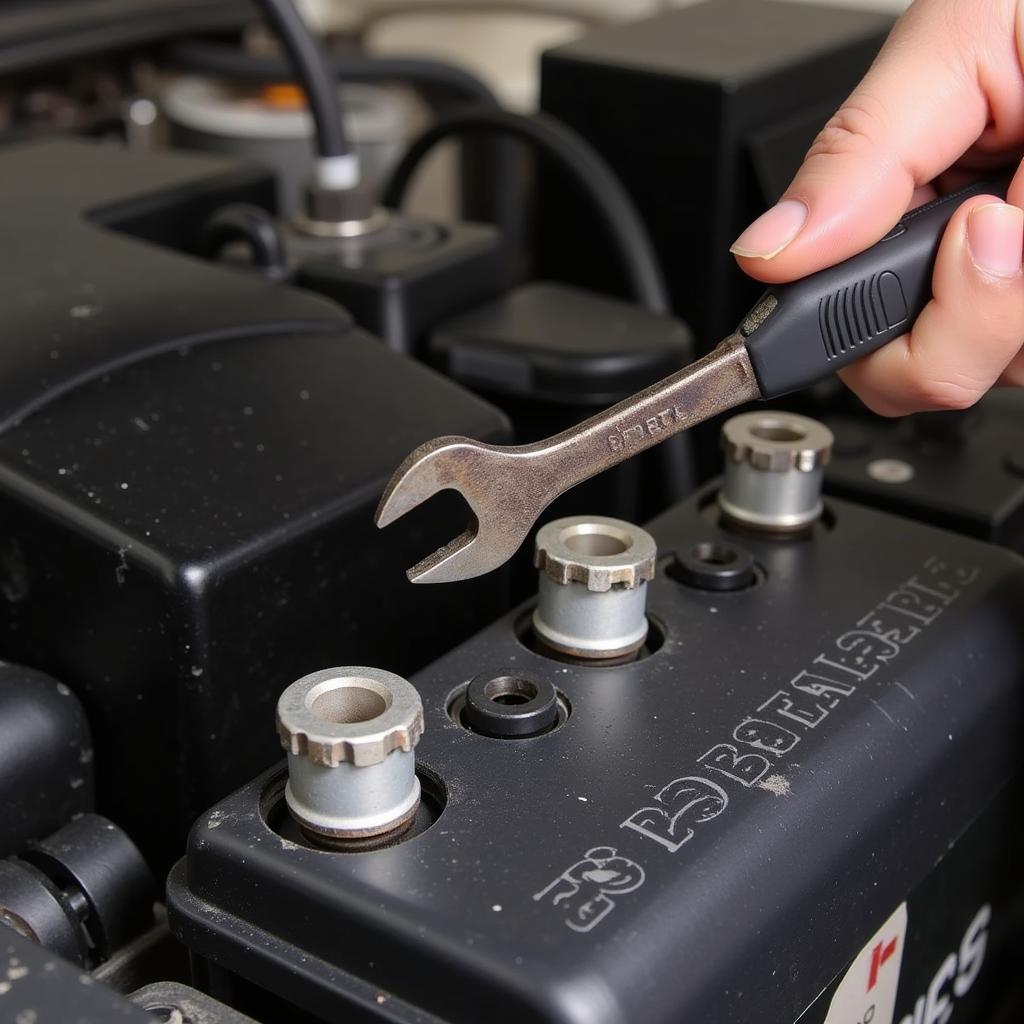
(919, 108)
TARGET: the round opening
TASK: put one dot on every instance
(168, 1014)
(510, 690)
(347, 702)
(714, 554)
(776, 430)
(596, 539)
(714, 566)
(456, 707)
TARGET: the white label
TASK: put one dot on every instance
(867, 994)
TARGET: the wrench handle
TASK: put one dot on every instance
(719, 381)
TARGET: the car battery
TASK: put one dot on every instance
(704, 112)
(190, 457)
(789, 797)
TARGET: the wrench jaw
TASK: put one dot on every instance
(425, 471)
(452, 463)
(465, 557)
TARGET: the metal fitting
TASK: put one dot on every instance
(339, 213)
(592, 594)
(350, 733)
(774, 469)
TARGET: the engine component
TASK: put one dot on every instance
(82, 893)
(823, 761)
(271, 125)
(39, 987)
(963, 471)
(774, 470)
(592, 586)
(403, 277)
(185, 470)
(350, 734)
(592, 176)
(36, 908)
(740, 69)
(46, 754)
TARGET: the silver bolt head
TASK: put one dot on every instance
(353, 714)
(595, 551)
(777, 441)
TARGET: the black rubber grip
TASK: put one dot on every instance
(800, 333)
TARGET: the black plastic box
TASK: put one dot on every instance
(704, 112)
(715, 834)
(190, 458)
(963, 471)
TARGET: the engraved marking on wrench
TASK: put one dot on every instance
(651, 426)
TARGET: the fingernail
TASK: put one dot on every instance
(772, 231)
(995, 238)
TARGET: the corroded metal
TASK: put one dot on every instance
(507, 488)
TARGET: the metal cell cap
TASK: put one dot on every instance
(777, 441)
(352, 714)
(596, 551)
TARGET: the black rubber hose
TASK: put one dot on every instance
(230, 62)
(310, 68)
(242, 222)
(493, 192)
(579, 159)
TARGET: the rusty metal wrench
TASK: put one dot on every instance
(796, 335)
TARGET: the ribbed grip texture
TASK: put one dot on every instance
(831, 318)
(853, 315)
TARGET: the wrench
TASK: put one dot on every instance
(796, 335)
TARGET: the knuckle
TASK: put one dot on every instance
(852, 129)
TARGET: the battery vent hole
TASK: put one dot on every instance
(776, 430)
(510, 690)
(600, 539)
(715, 554)
(345, 702)
(715, 566)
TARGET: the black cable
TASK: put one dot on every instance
(309, 67)
(243, 222)
(579, 159)
(493, 193)
(230, 62)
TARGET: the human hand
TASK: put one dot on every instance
(942, 105)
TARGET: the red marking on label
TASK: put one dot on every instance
(879, 956)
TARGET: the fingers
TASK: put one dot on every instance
(969, 336)
(920, 107)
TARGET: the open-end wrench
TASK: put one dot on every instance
(796, 335)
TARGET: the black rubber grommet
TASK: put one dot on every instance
(510, 706)
(713, 565)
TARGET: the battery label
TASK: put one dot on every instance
(867, 993)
